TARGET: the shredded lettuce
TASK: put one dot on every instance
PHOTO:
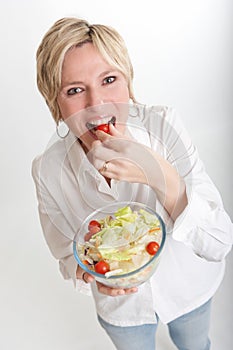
(122, 239)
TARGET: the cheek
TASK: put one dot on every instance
(122, 115)
(63, 107)
(68, 107)
(119, 91)
(123, 93)
(77, 123)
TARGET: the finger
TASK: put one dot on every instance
(83, 275)
(114, 132)
(114, 168)
(114, 291)
(131, 290)
(102, 136)
(95, 144)
(118, 134)
(105, 170)
(87, 278)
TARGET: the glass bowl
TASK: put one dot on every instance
(89, 250)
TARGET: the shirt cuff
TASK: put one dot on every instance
(205, 227)
(68, 267)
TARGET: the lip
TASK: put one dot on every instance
(92, 126)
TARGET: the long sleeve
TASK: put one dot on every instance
(204, 225)
(55, 226)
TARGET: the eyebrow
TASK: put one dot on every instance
(77, 82)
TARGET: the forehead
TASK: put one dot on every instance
(83, 57)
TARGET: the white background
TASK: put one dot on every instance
(182, 55)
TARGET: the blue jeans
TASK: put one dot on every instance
(188, 332)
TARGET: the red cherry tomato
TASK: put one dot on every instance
(152, 248)
(94, 227)
(94, 223)
(104, 128)
(102, 267)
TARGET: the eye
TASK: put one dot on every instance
(74, 91)
(109, 80)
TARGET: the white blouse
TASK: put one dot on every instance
(192, 264)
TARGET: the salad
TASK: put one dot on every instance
(120, 243)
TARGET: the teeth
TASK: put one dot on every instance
(106, 120)
(100, 121)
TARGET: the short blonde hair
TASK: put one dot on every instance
(71, 32)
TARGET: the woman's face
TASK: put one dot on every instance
(92, 93)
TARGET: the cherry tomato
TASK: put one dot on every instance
(104, 128)
(94, 223)
(94, 227)
(102, 267)
(152, 248)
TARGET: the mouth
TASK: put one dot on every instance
(93, 125)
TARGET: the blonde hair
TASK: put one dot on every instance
(72, 32)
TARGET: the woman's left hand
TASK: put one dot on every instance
(114, 292)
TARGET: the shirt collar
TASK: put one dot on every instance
(79, 161)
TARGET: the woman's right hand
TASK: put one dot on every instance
(88, 278)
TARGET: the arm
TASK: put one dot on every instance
(57, 231)
(59, 235)
(131, 161)
(203, 224)
(178, 177)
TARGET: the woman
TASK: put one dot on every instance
(141, 154)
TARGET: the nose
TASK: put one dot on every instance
(94, 99)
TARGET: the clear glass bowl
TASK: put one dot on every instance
(132, 278)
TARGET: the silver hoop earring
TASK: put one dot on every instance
(62, 130)
(134, 110)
